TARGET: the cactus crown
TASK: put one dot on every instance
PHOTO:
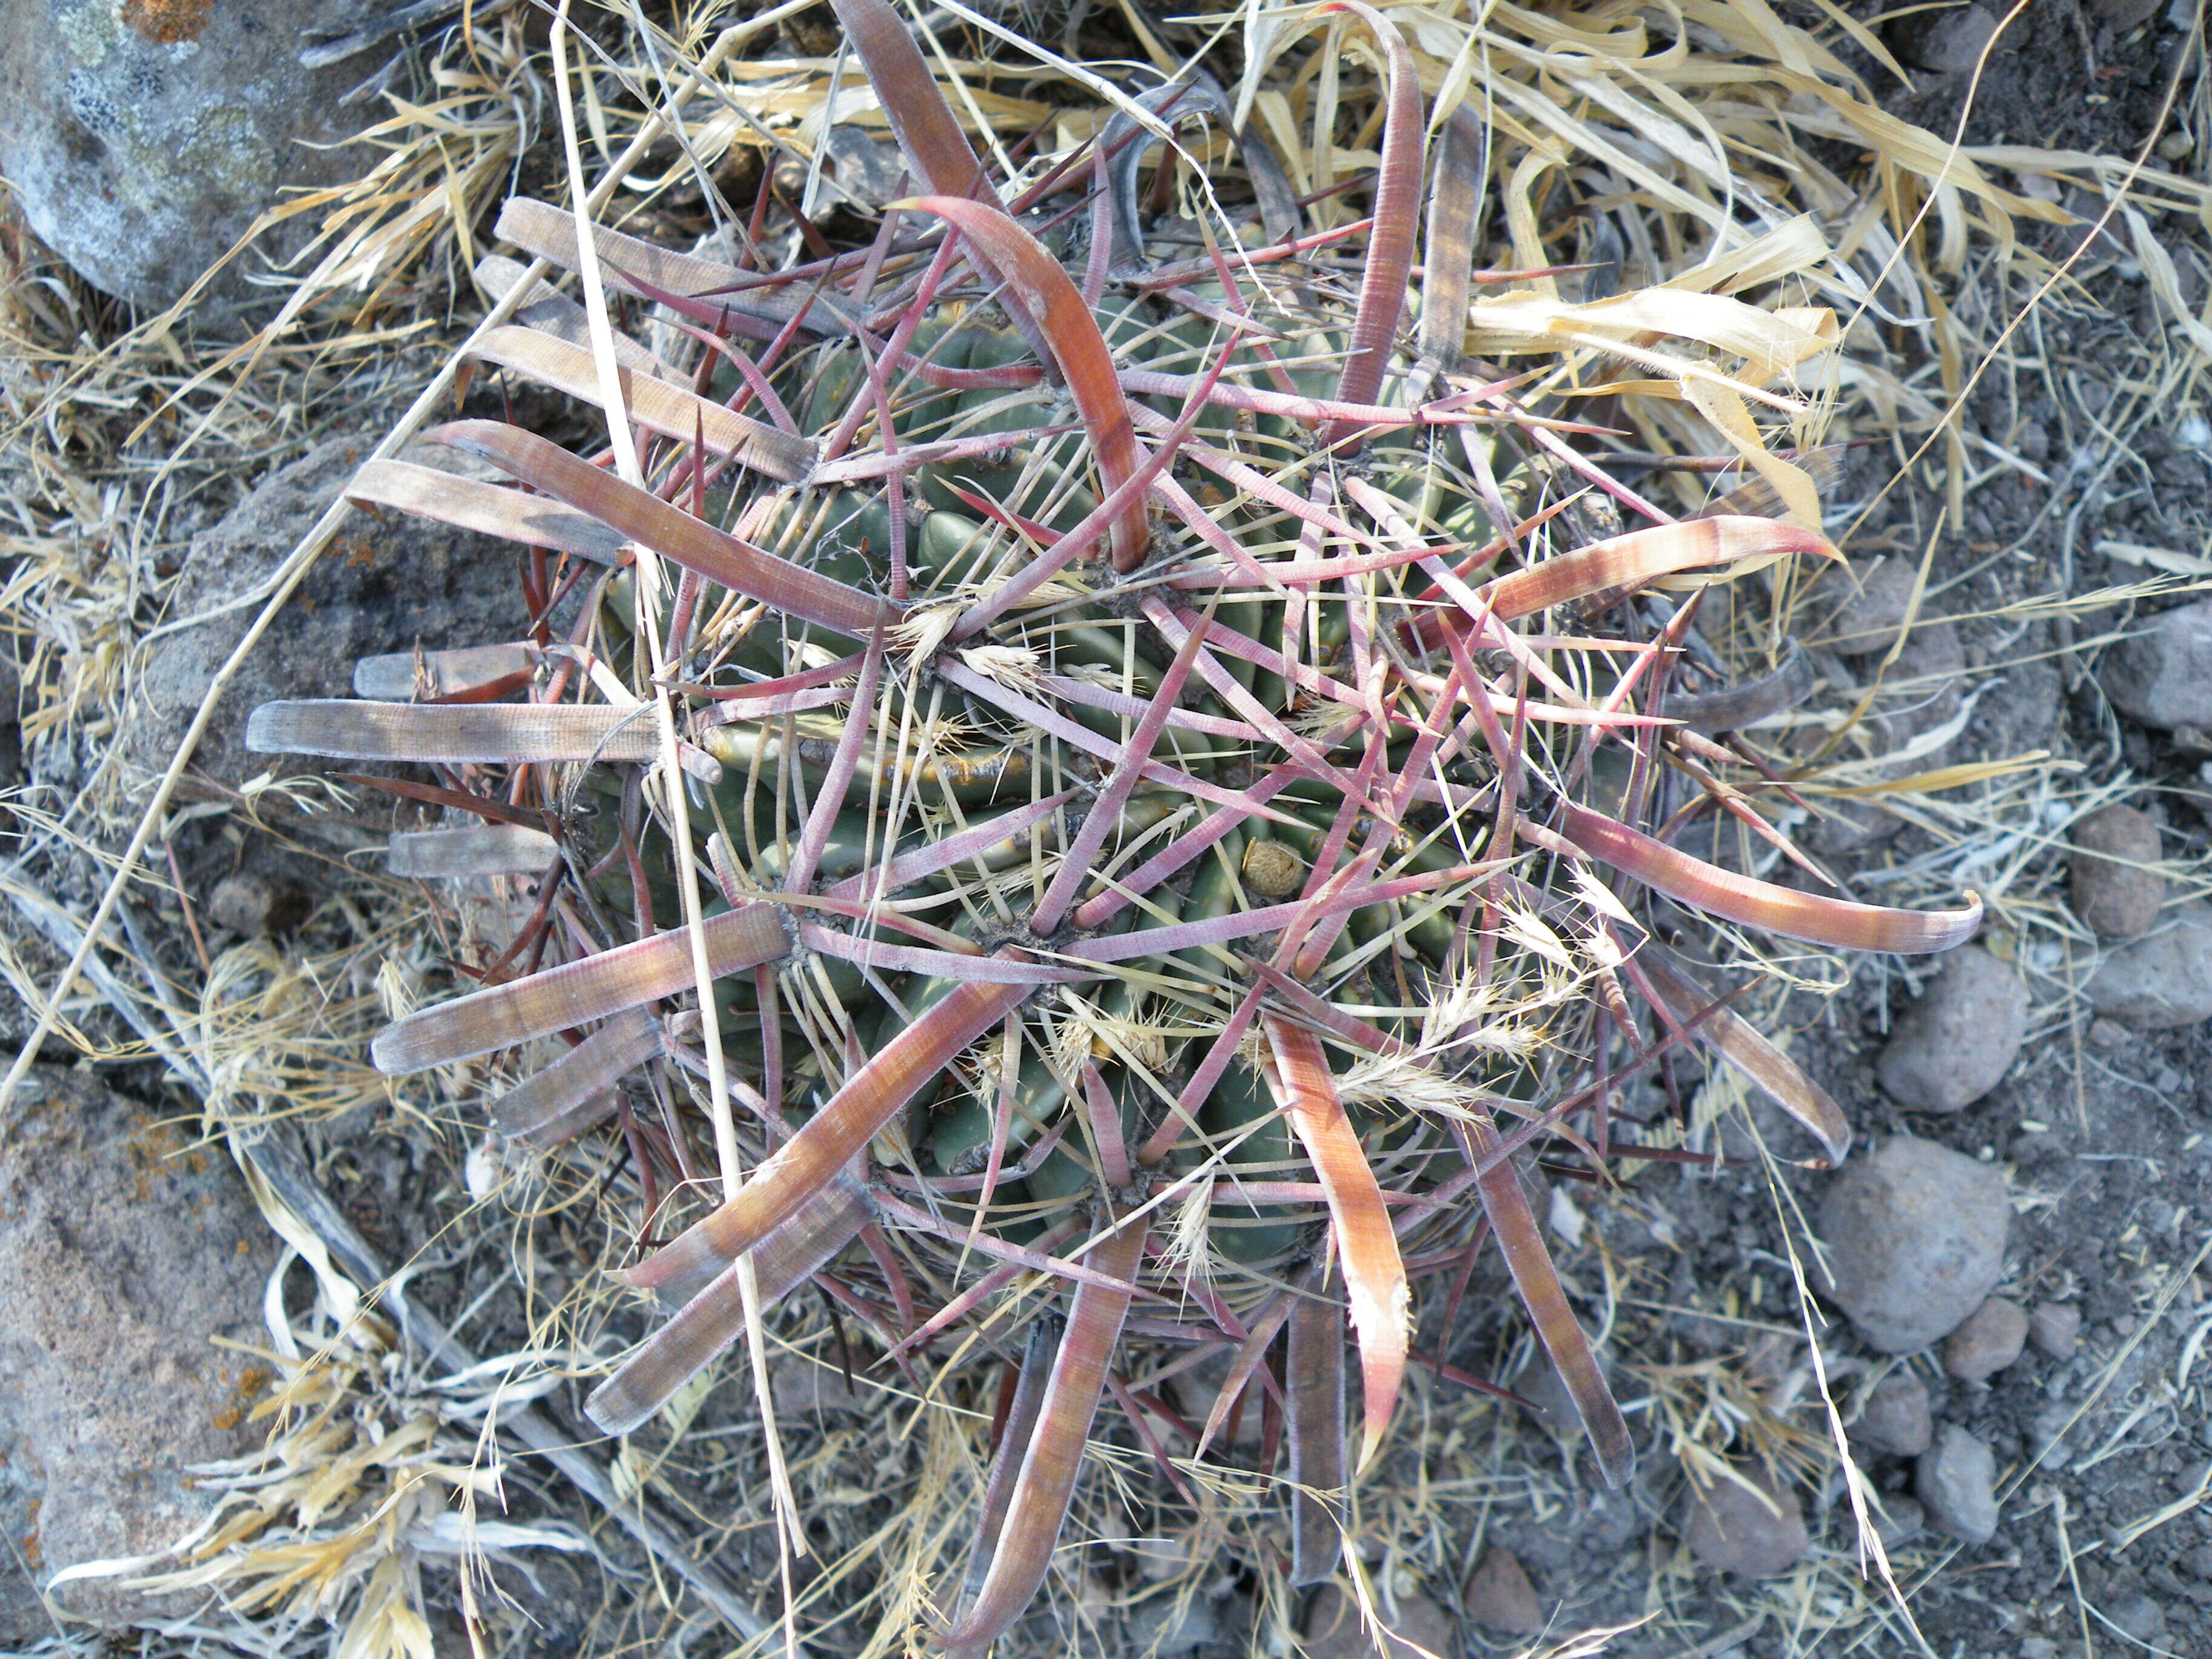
(1058, 753)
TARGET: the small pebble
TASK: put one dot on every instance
(2138, 1616)
(1899, 1521)
(803, 1387)
(1333, 1631)
(1172, 1624)
(1729, 1529)
(2038, 1646)
(1896, 1418)
(250, 904)
(1874, 607)
(2054, 1327)
(1956, 1044)
(2112, 892)
(2107, 1033)
(1916, 1235)
(2161, 676)
(1956, 1479)
(1947, 41)
(2197, 1561)
(1989, 1340)
(1499, 1596)
(2162, 981)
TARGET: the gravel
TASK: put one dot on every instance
(1499, 1596)
(1896, 1418)
(1729, 1529)
(2054, 1327)
(1917, 1238)
(1956, 1043)
(2162, 981)
(2111, 893)
(1990, 1339)
(1333, 1629)
(1956, 1480)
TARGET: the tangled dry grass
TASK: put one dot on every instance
(1708, 149)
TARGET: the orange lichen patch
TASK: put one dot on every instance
(164, 23)
(251, 1382)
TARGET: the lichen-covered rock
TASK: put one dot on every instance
(124, 1251)
(1916, 1235)
(143, 137)
(1956, 1043)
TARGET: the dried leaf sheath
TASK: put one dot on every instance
(669, 530)
(1812, 917)
(829, 1139)
(1738, 1041)
(343, 729)
(1077, 344)
(1055, 1450)
(1314, 1379)
(576, 993)
(1374, 1275)
(1538, 1282)
(570, 1095)
(1630, 561)
(715, 1318)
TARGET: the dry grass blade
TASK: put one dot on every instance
(576, 993)
(1812, 917)
(570, 1095)
(1314, 1421)
(672, 411)
(1739, 1042)
(669, 530)
(803, 1165)
(1039, 1506)
(1077, 346)
(1561, 1333)
(487, 509)
(713, 1319)
(1626, 562)
(1374, 1274)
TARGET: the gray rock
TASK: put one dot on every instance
(1896, 1418)
(2162, 675)
(125, 1250)
(381, 587)
(1916, 1235)
(1956, 1479)
(2123, 15)
(2163, 979)
(2111, 890)
(1499, 1596)
(809, 1386)
(1948, 41)
(1956, 1044)
(143, 138)
(1729, 1529)
(1989, 1340)
(2054, 1327)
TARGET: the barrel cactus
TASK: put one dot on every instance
(1090, 758)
